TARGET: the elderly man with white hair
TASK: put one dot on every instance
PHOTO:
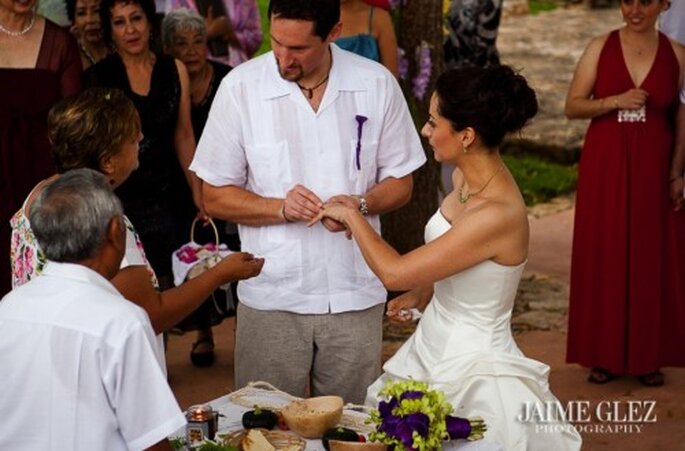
(78, 367)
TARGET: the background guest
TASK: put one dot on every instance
(234, 30)
(157, 197)
(184, 36)
(39, 64)
(85, 19)
(672, 21)
(100, 129)
(110, 393)
(626, 295)
(472, 33)
(368, 31)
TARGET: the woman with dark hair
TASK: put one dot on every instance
(159, 196)
(85, 19)
(627, 293)
(465, 277)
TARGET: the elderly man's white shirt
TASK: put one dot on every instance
(262, 135)
(78, 367)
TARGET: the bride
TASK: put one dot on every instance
(467, 273)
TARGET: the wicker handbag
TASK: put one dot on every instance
(193, 259)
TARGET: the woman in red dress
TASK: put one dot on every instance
(39, 65)
(627, 306)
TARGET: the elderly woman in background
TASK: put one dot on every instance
(627, 294)
(39, 64)
(184, 36)
(100, 129)
(234, 28)
(157, 197)
(85, 18)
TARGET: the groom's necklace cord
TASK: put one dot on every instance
(463, 198)
(310, 91)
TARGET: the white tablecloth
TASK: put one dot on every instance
(232, 414)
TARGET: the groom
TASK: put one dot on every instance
(289, 130)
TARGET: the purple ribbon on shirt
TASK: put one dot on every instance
(360, 126)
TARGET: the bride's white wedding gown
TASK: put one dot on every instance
(463, 346)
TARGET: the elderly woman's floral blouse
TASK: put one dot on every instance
(28, 260)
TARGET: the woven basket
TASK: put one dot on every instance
(209, 261)
(278, 439)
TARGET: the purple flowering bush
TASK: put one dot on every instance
(413, 417)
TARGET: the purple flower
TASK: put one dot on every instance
(457, 427)
(360, 126)
(402, 63)
(385, 408)
(389, 425)
(425, 65)
(415, 422)
(411, 395)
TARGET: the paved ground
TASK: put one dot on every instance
(546, 48)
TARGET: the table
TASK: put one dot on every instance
(233, 405)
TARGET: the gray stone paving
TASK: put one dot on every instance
(546, 48)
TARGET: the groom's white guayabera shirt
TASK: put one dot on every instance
(262, 135)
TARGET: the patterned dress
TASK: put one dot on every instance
(28, 260)
(472, 33)
(246, 23)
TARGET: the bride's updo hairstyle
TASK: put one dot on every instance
(493, 101)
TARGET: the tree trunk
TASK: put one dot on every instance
(418, 20)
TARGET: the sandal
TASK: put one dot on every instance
(601, 376)
(202, 359)
(653, 379)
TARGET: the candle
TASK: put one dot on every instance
(202, 423)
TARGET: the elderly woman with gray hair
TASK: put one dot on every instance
(184, 36)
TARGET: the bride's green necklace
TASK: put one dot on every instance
(463, 198)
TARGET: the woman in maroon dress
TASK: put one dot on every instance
(39, 65)
(627, 306)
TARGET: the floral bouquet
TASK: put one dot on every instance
(417, 418)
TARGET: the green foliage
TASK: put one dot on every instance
(540, 180)
(266, 43)
(538, 6)
(430, 403)
(179, 444)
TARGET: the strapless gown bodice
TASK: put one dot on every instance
(473, 306)
(463, 345)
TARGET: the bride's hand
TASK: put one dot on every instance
(399, 308)
(335, 211)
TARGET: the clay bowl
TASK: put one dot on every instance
(338, 445)
(311, 417)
